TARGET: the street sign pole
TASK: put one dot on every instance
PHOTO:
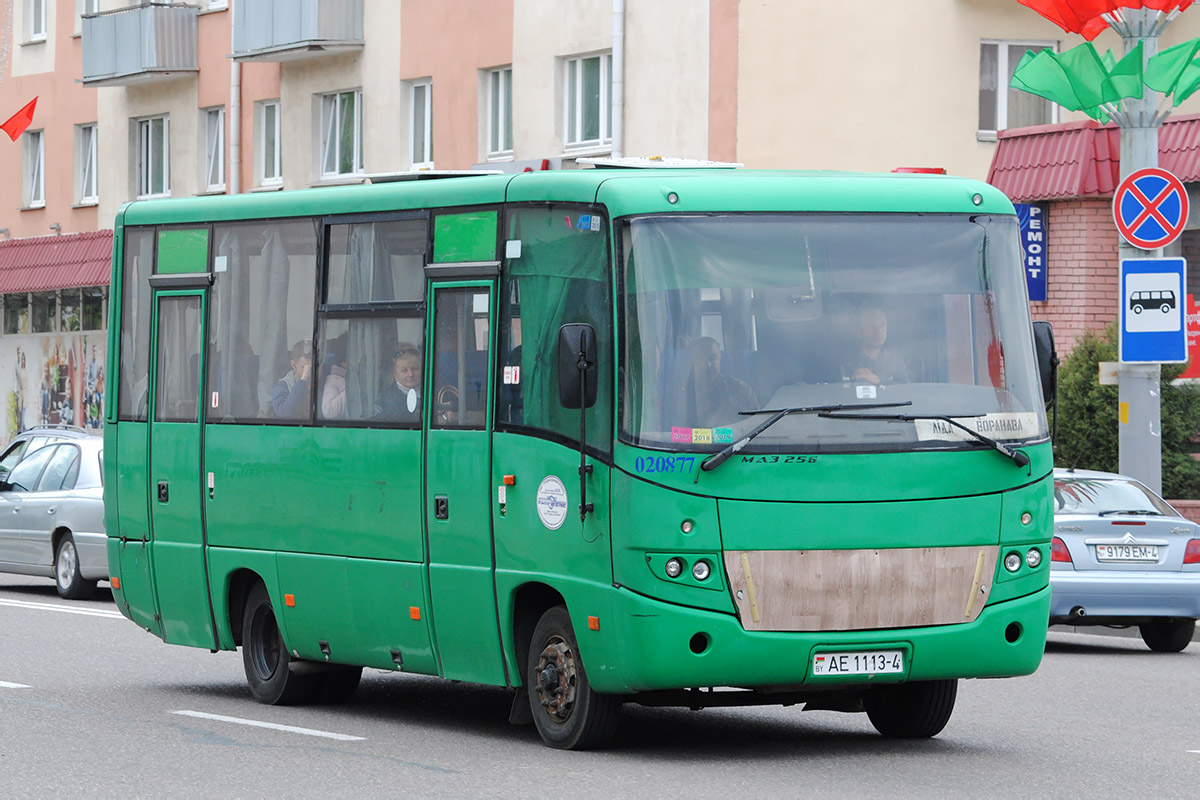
(1140, 420)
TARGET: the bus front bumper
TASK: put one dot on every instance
(654, 645)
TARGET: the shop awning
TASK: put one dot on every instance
(41, 263)
(1083, 159)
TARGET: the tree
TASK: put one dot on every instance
(1087, 417)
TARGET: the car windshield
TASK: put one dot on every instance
(732, 313)
(1107, 496)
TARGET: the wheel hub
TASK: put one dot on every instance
(556, 680)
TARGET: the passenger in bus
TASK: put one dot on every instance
(290, 395)
(712, 399)
(400, 400)
(874, 362)
(333, 393)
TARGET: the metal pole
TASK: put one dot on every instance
(1140, 413)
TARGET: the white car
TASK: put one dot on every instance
(52, 516)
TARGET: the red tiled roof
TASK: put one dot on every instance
(56, 262)
(1083, 159)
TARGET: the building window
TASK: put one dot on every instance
(588, 107)
(154, 157)
(217, 5)
(341, 134)
(421, 110)
(34, 157)
(214, 149)
(499, 113)
(1000, 106)
(45, 312)
(270, 161)
(16, 313)
(93, 308)
(86, 189)
(69, 319)
(37, 20)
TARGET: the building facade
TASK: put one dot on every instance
(141, 99)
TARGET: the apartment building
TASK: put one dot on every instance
(167, 99)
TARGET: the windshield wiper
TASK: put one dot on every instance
(717, 459)
(1016, 455)
(1131, 512)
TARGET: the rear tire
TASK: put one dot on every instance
(567, 713)
(265, 657)
(1168, 635)
(67, 579)
(916, 710)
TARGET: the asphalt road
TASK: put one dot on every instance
(92, 705)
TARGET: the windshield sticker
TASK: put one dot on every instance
(1002, 425)
(702, 435)
(512, 375)
(552, 502)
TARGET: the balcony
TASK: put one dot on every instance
(139, 44)
(288, 30)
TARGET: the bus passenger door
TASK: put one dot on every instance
(177, 558)
(457, 485)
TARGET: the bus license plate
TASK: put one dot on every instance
(1126, 552)
(860, 662)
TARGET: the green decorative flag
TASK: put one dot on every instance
(1126, 74)
(1174, 71)
(1080, 79)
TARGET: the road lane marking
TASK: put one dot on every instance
(89, 612)
(273, 726)
(7, 685)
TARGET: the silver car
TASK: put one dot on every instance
(52, 516)
(1122, 556)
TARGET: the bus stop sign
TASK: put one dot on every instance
(1152, 311)
(1150, 208)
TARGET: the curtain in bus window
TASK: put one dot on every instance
(369, 341)
(563, 277)
(134, 384)
(235, 365)
(177, 375)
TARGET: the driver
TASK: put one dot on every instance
(713, 399)
(874, 362)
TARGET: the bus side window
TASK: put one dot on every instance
(561, 276)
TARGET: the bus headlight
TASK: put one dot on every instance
(701, 570)
(1012, 562)
(674, 568)
(1033, 558)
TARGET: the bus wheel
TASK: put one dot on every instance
(265, 657)
(911, 710)
(337, 686)
(67, 580)
(1168, 635)
(568, 714)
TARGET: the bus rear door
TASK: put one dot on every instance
(177, 555)
(457, 484)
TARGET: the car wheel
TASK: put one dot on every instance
(67, 580)
(915, 710)
(265, 657)
(567, 713)
(1168, 635)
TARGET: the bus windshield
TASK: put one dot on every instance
(727, 317)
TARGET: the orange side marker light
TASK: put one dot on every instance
(510, 480)
(414, 612)
(115, 581)
(593, 623)
(289, 600)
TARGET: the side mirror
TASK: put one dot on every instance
(577, 365)
(1047, 360)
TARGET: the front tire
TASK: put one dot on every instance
(67, 579)
(1168, 635)
(915, 710)
(567, 713)
(265, 657)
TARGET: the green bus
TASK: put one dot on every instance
(670, 437)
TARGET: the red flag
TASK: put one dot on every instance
(15, 125)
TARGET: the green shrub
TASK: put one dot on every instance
(1087, 417)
